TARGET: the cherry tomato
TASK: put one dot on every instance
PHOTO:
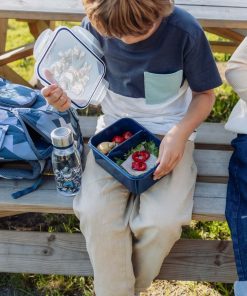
(139, 166)
(127, 135)
(140, 156)
(118, 139)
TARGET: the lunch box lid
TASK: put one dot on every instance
(71, 58)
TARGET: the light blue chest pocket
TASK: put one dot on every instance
(160, 88)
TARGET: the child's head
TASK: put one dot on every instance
(127, 18)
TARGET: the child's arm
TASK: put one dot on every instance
(236, 72)
(173, 144)
(56, 97)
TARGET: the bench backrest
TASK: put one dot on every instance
(211, 13)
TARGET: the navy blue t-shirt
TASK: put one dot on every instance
(151, 80)
(178, 44)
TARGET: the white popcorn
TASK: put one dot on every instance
(69, 77)
(77, 52)
(64, 83)
(77, 88)
(71, 71)
(82, 54)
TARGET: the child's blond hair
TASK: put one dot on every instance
(117, 18)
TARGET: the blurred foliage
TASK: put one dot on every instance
(226, 99)
(45, 285)
(219, 57)
(212, 230)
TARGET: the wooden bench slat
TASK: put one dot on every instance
(6, 71)
(216, 16)
(218, 3)
(200, 260)
(60, 253)
(202, 210)
(47, 200)
(8, 213)
(208, 133)
(214, 133)
(212, 162)
(71, 10)
(88, 125)
(16, 54)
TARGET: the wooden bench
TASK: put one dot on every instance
(225, 18)
(65, 253)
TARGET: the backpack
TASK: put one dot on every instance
(26, 122)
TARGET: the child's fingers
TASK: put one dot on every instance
(166, 165)
(63, 100)
(56, 94)
(161, 149)
(162, 167)
(169, 167)
(46, 91)
(49, 76)
(54, 98)
(64, 103)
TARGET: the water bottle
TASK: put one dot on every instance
(66, 162)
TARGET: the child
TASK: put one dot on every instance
(236, 202)
(161, 73)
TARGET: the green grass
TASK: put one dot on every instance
(18, 35)
(51, 285)
(46, 285)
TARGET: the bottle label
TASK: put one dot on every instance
(68, 180)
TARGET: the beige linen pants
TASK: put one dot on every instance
(129, 236)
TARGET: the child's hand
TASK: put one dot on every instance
(56, 97)
(170, 152)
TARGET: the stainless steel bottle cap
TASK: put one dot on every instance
(62, 137)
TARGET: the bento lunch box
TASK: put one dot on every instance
(135, 184)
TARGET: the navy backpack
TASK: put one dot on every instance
(26, 122)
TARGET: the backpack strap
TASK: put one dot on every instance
(32, 171)
(26, 170)
(27, 190)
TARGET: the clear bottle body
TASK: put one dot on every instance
(67, 169)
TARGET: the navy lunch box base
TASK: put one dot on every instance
(135, 184)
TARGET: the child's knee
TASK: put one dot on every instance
(89, 207)
(169, 227)
(159, 227)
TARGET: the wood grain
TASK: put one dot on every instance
(59, 253)
(220, 13)
(10, 74)
(47, 200)
(207, 133)
(16, 54)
